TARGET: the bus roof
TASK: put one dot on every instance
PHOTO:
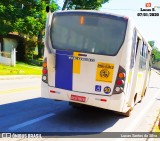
(93, 11)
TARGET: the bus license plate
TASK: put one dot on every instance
(78, 98)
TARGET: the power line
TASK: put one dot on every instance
(121, 9)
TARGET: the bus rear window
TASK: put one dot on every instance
(88, 32)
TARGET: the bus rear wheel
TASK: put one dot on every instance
(128, 113)
(75, 105)
(142, 96)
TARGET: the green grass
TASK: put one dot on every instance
(156, 129)
(20, 69)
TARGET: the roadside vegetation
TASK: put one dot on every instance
(156, 57)
(20, 69)
(28, 18)
(157, 126)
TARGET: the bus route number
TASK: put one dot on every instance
(107, 90)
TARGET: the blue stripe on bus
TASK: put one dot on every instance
(63, 73)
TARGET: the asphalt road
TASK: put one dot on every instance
(18, 90)
(23, 110)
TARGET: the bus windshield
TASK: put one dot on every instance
(88, 32)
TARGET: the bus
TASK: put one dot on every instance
(95, 58)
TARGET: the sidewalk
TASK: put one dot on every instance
(157, 71)
(13, 77)
(156, 126)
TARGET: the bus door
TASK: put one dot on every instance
(142, 70)
(134, 67)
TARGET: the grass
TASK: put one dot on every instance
(156, 129)
(20, 69)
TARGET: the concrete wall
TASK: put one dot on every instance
(6, 61)
(9, 46)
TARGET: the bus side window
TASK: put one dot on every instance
(147, 51)
(133, 51)
(144, 51)
(137, 44)
(141, 52)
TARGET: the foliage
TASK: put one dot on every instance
(83, 4)
(156, 53)
(27, 17)
(151, 43)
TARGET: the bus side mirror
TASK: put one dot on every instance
(47, 9)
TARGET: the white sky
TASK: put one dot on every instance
(149, 26)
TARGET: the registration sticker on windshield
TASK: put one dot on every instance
(104, 72)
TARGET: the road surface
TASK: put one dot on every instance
(23, 110)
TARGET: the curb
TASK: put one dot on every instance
(13, 77)
(155, 128)
(157, 71)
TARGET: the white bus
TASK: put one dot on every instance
(95, 58)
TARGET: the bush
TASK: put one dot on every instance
(34, 62)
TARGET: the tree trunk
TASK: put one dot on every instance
(24, 44)
(40, 44)
(65, 4)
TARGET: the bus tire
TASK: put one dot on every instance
(128, 113)
(135, 99)
(142, 96)
(141, 99)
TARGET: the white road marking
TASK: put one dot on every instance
(30, 122)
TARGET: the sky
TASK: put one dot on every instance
(149, 26)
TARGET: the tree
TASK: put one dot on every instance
(27, 18)
(155, 51)
(65, 4)
(151, 43)
(83, 4)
